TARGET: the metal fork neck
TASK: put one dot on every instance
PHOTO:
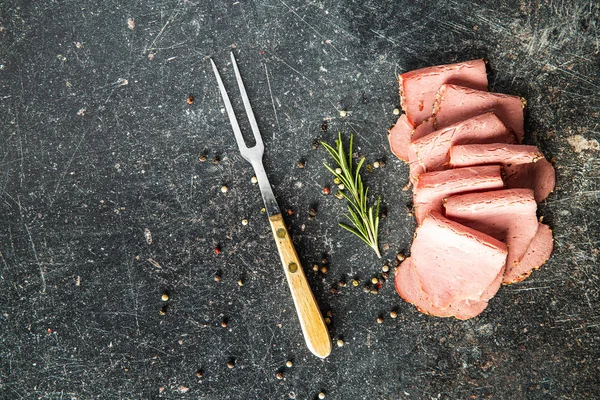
(265, 188)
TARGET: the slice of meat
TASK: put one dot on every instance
(430, 153)
(537, 254)
(399, 137)
(432, 187)
(524, 166)
(418, 88)
(507, 215)
(410, 289)
(456, 103)
(454, 262)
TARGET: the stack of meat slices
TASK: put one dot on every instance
(475, 189)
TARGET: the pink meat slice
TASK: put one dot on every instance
(418, 88)
(454, 262)
(457, 103)
(537, 254)
(430, 153)
(524, 166)
(507, 215)
(399, 137)
(410, 289)
(432, 187)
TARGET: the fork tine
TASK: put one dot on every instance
(247, 105)
(239, 138)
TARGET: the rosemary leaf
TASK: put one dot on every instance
(364, 219)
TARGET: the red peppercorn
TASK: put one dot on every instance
(190, 100)
(217, 250)
(326, 190)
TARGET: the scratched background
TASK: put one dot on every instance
(100, 151)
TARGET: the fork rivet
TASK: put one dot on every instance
(293, 267)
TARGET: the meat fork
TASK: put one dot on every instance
(311, 321)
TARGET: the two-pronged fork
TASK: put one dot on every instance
(313, 327)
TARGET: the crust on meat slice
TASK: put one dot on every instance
(418, 88)
(456, 103)
(524, 166)
(508, 215)
(410, 289)
(430, 153)
(432, 187)
(454, 262)
(537, 254)
(399, 137)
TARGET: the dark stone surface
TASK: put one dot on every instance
(98, 144)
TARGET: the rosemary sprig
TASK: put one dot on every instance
(364, 220)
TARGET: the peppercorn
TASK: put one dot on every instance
(385, 275)
(380, 320)
(202, 157)
(279, 375)
(329, 314)
(338, 171)
(290, 211)
(163, 310)
(224, 323)
(382, 163)
(254, 179)
(190, 99)
(343, 113)
(374, 291)
(385, 268)
(324, 270)
(324, 260)
(337, 181)
(369, 168)
(396, 111)
(339, 195)
(355, 282)
(341, 186)
(240, 282)
(289, 363)
(217, 277)
(366, 289)
(244, 221)
(327, 320)
(165, 296)
(393, 314)
(301, 164)
(312, 212)
(324, 127)
(376, 164)
(374, 280)
(199, 373)
(224, 189)
(315, 144)
(231, 363)
(315, 267)
(217, 250)
(326, 190)
(340, 342)
(400, 257)
(215, 160)
(342, 284)
(321, 395)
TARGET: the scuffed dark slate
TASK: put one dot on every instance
(98, 144)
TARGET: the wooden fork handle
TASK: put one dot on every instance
(312, 323)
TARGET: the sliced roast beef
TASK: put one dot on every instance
(453, 263)
(524, 166)
(410, 289)
(456, 103)
(399, 137)
(507, 215)
(430, 153)
(537, 254)
(432, 187)
(418, 88)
